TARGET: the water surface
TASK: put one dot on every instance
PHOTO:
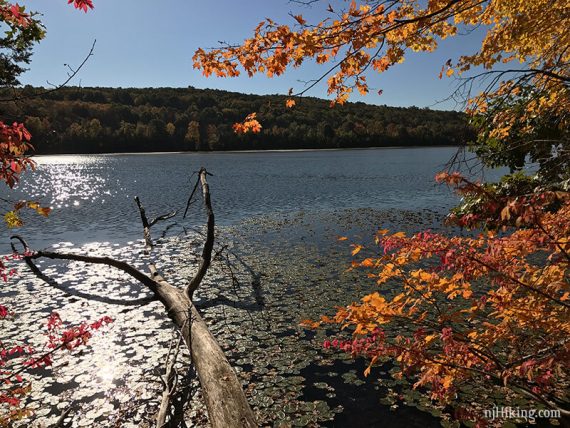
(92, 195)
(279, 214)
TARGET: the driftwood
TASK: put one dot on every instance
(169, 382)
(222, 390)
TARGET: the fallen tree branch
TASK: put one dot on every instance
(190, 197)
(222, 390)
(169, 381)
(163, 217)
(28, 259)
(60, 423)
(209, 244)
(224, 396)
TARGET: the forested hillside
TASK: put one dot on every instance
(106, 120)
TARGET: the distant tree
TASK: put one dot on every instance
(93, 129)
(142, 131)
(327, 131)
(36, 125)
(75, 132)
(122, 97)
(170, 129)
(127, 130)
(193, 134)
(213, 137)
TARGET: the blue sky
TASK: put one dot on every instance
(144, 43)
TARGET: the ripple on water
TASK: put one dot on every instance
(92, 196)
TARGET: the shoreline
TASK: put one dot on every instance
(248, 151)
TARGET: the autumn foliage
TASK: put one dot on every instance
(373, 36)
(18, 357)
(14, 160)
(14, 146)
(490, 310)
(250, 124)
(83, 5)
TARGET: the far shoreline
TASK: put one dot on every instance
(207, 152)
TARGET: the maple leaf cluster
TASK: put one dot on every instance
(488, 311)
(14, 148)
(84, 5)
(368, 36)
(14, 14)
(14, 160)
(16, 359)
(250, 124)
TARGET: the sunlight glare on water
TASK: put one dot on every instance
(92, 195)
(105, 370)
(69, 179)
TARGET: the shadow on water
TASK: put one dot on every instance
(359, 398)
(226, 301)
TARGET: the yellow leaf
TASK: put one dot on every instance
(310, 324)
(290, 103)
(398, 298)
(342, 238)
(299, 19)
(12, 219)
(357, 249)
(43, 211)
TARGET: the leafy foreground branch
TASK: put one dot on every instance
(223, 394)
(484, 316)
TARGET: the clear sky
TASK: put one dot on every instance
(144, 43)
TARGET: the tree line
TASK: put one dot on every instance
(107, 120)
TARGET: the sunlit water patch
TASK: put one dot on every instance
(115, 378)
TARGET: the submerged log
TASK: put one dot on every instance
(225, 400)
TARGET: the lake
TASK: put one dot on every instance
(279, 214)
(92, 195)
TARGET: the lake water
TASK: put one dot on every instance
(279, 214)
(92, 195)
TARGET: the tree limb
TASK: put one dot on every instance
(209, 244)
(29, 257)
(223, 393)
(61, 85)
(170, 382)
